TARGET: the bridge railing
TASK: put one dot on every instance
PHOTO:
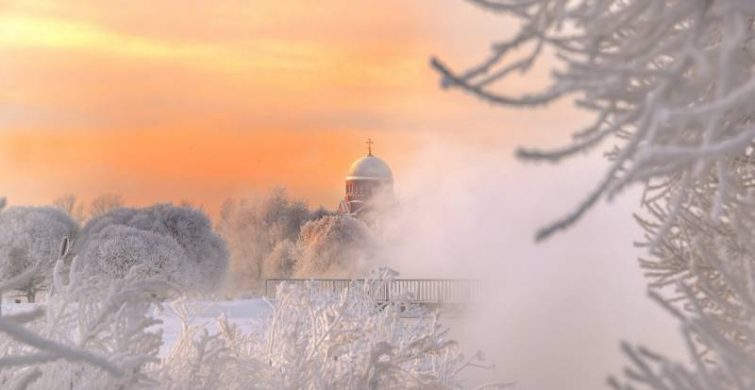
(429, 291)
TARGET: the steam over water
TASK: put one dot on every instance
(560, 308)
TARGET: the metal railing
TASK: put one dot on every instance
(423, 291)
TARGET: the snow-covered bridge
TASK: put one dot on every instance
(419, 291)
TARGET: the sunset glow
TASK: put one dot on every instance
(193, 104)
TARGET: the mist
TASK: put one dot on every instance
(560, 307)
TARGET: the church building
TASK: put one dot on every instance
(368, 183)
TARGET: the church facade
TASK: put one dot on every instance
(369, 185)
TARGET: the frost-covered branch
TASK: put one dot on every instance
(670, 81)
(91, 333)
(671, 87)
(313, 340)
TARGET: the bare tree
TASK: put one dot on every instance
(71, 205)
(104, 203)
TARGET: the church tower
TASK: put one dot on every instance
(368, 181)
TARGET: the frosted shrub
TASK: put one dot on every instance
(29, 241)
(159, 237)
(93, 333)
(671, 82)
(99, 333)
(316, 341)
(120, 248)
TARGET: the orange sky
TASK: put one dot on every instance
(200, 101)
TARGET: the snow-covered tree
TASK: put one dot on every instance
(281, 261)
(30, 240)
(671, 86)
(253, 229)
(335, 246)
(277, 237)
(163, 237)
(117, 249)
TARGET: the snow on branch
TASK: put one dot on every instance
(319, 340)
(670, 81)
(91, 333)
(57, 350)
(671, 86)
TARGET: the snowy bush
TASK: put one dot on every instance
(29, 241)
(91, 334)
(164, 238)
(671, 82)
(117, 249)
(315, 341)
(101, 333)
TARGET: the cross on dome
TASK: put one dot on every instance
(369, 146)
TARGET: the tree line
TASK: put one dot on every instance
(271, 236)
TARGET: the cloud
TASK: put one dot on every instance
(256, 55)
(89, 66)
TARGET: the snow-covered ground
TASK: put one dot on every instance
(245, 313)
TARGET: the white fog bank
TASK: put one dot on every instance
(564, 304)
